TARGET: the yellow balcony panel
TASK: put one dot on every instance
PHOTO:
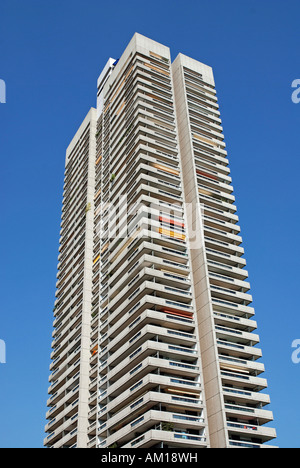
(175, 235)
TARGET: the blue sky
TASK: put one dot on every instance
(51, 55)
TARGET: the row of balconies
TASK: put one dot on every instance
(74, 165)
(67, 344)
(66, 394)
(171, 399)
(260, 416)
(205, 160)
(72, 261)
(64, 298)
(118, 351)
(233, 348)
(167, 173)
(156, 177)
(229, 295)
(68, 283)
(155, 293)
(58, 370)
(192, 77)
(128, 82)
(71, 183)
(219, 266)
(226, 259)
(65, 268)
(220, 305)
(228, 282)
(199, 115)
(116, 425)
(64, 436)
(160, 248)
(59, 419)
(211, 107)
(242, 380)
(138, 119)
(62, 353)
(178, 323)
(142, 349)
(214, 190)
(148, 266)
(250, 367)
(208, 104)
(214, 152)
(151, 418)
(67, 357)
(148, 365)
(65, 272)
(201, 94)
(210, 199)
(139, 94)
(66, 310)
(151, 273)
(167, 439)
(146, 253)
(130, 219)
(199, 130)
(142, 155)
(210, 172)
(221, 246)
(245, 397)
(241, 323)
(243, 430)
(67, 400)
(70, 217)
(148, 330)
(142, 394)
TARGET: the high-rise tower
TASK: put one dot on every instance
(154, 341)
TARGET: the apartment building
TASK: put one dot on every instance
(154, 340)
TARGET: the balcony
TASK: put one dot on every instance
(265, 434)
(244, 397)
(147, 366)
(168, 439)
(140, 350)
(151, 418)
(239, 380)
(143, 316)
(259, 416)
(169, 387)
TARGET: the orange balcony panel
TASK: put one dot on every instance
(205, 174)
(166, 169)
(157, 69)
(171, 221)
(99, 159)
(179, 313)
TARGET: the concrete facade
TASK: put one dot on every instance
(161, 352)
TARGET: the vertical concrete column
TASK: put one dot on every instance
(208, 346)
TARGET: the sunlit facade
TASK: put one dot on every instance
(154, 341)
